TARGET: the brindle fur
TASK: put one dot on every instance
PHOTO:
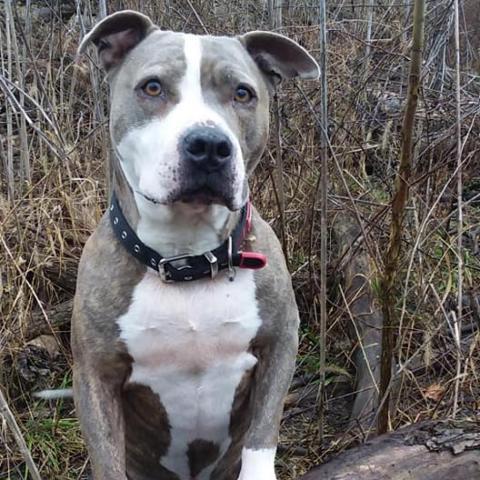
(125, 425)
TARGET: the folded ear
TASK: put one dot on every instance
(116, 35)
(278, 56)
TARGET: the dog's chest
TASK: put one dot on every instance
(189, 343)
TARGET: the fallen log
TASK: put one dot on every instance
(426, 451)
(58, 319)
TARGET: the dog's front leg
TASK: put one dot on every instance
(98, 404)
(272, 379)
(99, 371)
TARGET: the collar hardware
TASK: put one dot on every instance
(252, 260)
(165, 274)
(186, 267)
(231, 268)
(213, 261)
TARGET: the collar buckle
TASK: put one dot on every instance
(165, 275)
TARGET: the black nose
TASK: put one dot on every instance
(207, 148)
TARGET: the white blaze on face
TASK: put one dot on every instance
(149, 153)
(258, 464)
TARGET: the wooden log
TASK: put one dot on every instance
(58, 319)
(448, 450)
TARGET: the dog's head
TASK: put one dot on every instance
(189, 114)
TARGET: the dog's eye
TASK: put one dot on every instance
(152, 88)
(243, 94)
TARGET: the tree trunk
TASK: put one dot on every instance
(399, 202)
(366, 318)
(425, 451)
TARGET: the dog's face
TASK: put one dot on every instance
(189, 114)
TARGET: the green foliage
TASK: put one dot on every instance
(58, 443)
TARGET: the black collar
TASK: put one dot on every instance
(189, 267)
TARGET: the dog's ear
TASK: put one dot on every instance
(279, 57)
(116, 35)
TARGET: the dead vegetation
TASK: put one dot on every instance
(53, 146)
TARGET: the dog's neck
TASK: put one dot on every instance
(175, 229)
(183, 228)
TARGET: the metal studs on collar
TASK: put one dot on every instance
(189, 269)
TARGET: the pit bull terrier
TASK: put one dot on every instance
(184, 337)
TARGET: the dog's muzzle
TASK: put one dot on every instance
(207, 150)
(207, 159)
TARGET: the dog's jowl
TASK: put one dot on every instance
(185, 324)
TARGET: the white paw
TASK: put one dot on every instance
(258, 464)
(257, 477)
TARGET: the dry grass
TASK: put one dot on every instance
(53, 146)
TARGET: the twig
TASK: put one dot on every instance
(323, 213)
(275, 14)
(102, 8)
(9, 167)
(12, 423)
(399, 202)
(197, 16)
(278, 186)
(274, 7)
(458, 317)
(19, 66)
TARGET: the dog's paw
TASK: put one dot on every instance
(258, 464)
(257, 476)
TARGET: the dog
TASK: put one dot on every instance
(184, 327)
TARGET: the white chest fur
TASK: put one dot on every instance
(189, 343)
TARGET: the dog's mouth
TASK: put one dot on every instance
(206, 189)
(203, 196)
(200, 196)
(149, 198)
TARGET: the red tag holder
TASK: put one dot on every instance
(252, 260)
